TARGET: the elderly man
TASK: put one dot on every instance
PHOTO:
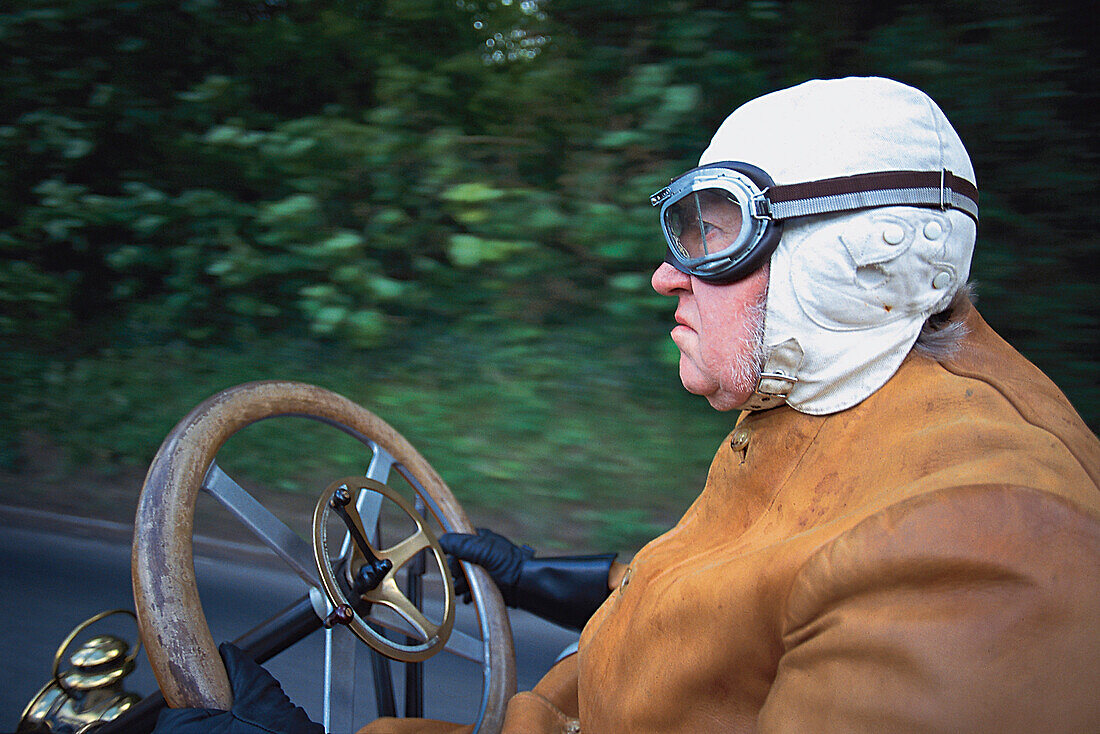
(902, 532)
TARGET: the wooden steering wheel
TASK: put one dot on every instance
(181, 650)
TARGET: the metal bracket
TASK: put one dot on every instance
(660, 196)
(760, 206)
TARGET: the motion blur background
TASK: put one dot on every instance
(439, 209)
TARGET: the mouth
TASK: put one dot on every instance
(683, 335)
(681, 321)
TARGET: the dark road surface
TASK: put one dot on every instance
(50, 582)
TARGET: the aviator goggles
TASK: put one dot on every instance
(723, 220)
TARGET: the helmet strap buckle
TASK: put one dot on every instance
(778, 376)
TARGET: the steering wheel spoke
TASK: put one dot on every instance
(269, 529)
(381, 463)
(389, 595)
(403, 552)
(458, 644)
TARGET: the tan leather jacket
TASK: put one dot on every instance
(928, 560)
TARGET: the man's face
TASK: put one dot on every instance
(719, 330)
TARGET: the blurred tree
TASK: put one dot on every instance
(210, 170)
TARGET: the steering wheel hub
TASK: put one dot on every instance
(378, 568)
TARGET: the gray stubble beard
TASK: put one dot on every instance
(748, 364)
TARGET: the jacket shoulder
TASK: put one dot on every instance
(987, 357)
(967, 609)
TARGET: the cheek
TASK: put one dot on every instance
(721, 346)
(730, 317)
(725, 331)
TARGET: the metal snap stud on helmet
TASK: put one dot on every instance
(860, 195)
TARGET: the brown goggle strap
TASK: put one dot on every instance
(939, 189)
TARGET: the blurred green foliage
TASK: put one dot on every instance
(195, 192)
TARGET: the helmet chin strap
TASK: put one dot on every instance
(778, 376)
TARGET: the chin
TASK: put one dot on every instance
(702, 384)
(724, 402)
(731, 397)
(693, 381)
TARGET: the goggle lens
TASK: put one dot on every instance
(703, 223)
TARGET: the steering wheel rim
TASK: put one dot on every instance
(177, 638)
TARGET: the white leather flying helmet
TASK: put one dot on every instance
(862, 197)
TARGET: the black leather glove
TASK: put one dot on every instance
(564, 589)
(259, 705)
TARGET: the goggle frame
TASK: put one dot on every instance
(759, 234)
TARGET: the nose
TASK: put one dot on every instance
(667, 280)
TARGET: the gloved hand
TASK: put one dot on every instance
(566, 590)
(259, 705)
